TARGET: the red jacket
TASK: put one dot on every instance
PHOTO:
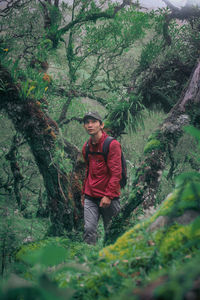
(103, 177)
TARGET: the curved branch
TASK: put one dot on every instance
(191, 95)
(70, 94)
(67, 121)
(94, 17)
(8, 6)
(150, 170)
(170, 5)
(184, 13)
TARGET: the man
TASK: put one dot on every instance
(101, 188)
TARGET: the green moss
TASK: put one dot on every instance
(154, 135)
(152, 145)
(169, 241)
(138, 252)
(131, 244)
(182, 198)
(178, 240)
(166, 207)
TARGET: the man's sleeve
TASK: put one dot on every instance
(86, 169)
(115, 169)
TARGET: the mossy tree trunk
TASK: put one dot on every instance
(41, 133)
(149, 172)
(11, 156)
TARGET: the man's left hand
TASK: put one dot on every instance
(105, 202)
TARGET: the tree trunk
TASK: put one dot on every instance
(150, 170)
(41, 133)
(14, 166)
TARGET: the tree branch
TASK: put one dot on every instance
(149, 172)
(73, 93)
(94, 17)
(170, 5)
(183, 13)
(8, 5)
(67, 121)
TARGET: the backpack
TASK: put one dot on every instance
(105, 149)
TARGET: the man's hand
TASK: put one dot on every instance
(82, 200)
(105, 202)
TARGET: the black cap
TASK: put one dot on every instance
(92, 114)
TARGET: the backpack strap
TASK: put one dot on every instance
(87, 151)
(104, 152)
(106, 145)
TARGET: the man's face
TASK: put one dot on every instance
(93, 126)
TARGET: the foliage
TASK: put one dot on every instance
(186, 276)
(151, 145)
(124, 113)
(154, 250)
(176, 283)
(150, 52)
(163, 71)
(52, 260)
(22, 32)
(137, 256)
(17, 230)
(59, 157)
(99, 61)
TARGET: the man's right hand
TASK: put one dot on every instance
(82, 200)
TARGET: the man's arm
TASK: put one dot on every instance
(115, 170)
(86, 173)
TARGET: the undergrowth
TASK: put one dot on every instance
(154, 256)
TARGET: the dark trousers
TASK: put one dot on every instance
(92, 212)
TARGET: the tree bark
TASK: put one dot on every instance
(187, 12)
(147, 78)
(150, 170)
(41, 133)
(11, 156)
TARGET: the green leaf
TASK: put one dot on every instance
(185, 177)
(30, 89)
(192, 131)
(50, 291)
(50, 255)
(53, 255)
